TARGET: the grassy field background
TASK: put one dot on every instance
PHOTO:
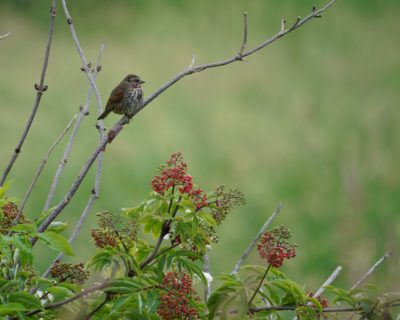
(311, 121)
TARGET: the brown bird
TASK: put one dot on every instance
(126, 98)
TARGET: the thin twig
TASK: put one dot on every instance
(84, 111)
(244, 43)
(40, 89)
(96, 189)
(206, 271)
(81, 294)
(192, 62)
(372, 269)
(328, 281)
(5, 35)
(258, 236)
(259, 285)
(44, 161)
(95, 310)
(292, 308)
(118, 126)
(85, 65)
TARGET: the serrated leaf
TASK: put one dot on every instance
(207, 218)
(6, 284)
(24, 228)
(43, 216)
(57, 226)
(26, 299)
(124, 286)
(11, 308)
(56, 242)
(4, 188)
(60, 292)
(25, 250)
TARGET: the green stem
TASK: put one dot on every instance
(259, 285)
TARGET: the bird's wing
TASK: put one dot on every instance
(116, 96)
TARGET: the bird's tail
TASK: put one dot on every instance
(104, 114)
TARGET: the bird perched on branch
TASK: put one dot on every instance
(126, 98)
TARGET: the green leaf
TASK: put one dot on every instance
(11, 308)
(41, 283)
(60, 293)
(124, 286)
(25, 249)
(6, 284)
(26, 299)
(43, 216)
(207, 218)
(24, 228)
(56, 242)
(57, 226)
(4, 188)
(273, 294)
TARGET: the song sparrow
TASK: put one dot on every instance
(126, 98)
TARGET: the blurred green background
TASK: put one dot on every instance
(311, 121)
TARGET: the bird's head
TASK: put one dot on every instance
(134, 80)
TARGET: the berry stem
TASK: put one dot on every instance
(259, 285)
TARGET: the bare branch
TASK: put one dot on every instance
(244, 34)
(207, 274)
(5, 35)
(329, 281)
(86, 65)
(283, 22)
(193, 61)
(254, 242)
(40, 88)
(79, 295)
(84, 111)
(118, 126)
(44, 161)
(372, 269)
(96, 189)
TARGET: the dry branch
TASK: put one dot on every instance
(258, 236)
(372, 269)
(118, 126)
(84, 111)
(41, 167)
(40, 88)
(96, 188)
(5, 35)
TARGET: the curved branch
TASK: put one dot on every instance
(255, 240)
(5, 35)
(84, 111)
(40, 88)
(85, 64)
(96, 189)
(118, 126)
(42, 164)
(371, 270)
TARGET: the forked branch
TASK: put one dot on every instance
(118, 126)
(40, 88)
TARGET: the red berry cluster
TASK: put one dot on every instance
(73, 273)
(275, 247)
(104, 239)
(177, 298)
(324, 302)
(172, 175)
(8, 213)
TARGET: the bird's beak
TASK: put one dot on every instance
(141, 81)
